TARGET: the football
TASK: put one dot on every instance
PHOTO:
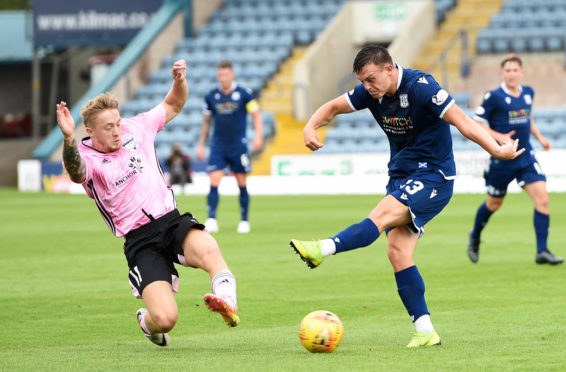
(321, 331)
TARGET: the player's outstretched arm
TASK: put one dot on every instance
(322, 116)
(475, 132)
(177, 95)
(74, 164)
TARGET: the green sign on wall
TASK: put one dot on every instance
(390, 10)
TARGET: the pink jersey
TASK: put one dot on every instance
(128, 185)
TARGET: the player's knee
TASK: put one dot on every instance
(165, 320)
(541, 202)
(396, 255)
(494, 204)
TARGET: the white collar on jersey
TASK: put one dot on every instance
(400, 75)
(504, 87)
(232, 88)
(399, 78)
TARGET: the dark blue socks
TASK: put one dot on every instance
(212, 201)
(244, 202)
(541, 222)
(356, 236)
(482, 216)
(411, 288)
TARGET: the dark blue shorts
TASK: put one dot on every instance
(499, 176)
(237, 159)
(426, 193)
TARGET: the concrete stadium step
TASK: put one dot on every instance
(277, 98)
(467, 14)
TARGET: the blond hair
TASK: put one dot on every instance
(512, 58)
(95, 106)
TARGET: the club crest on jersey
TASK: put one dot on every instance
(508, 100)
(404, 100)
(135, 164)
(236, 96)
(130, 144)
(423, 164)
(135, 168)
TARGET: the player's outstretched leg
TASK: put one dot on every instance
(228, 309)
(310, 251)
(223, 300)
(355, 236)
(160, 339)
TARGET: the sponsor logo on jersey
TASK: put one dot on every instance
(404, 196)
(422, 80)
(226, 107)
(130, 144)
(105, 161)
(396, 122)
(404, 100)
(439, 98)
(521, 116)
(480, 110)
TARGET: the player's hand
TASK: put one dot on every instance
(312, 141)
(257, 143)
(65, 120)
(179, 70)
(545, 143)
(505, 137)
(508, 150)
(200, 152)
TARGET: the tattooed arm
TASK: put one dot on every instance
(74, 164)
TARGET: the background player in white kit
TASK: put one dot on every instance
(119, 169)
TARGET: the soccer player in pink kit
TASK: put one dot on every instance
(119, 169)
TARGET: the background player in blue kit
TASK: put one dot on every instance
(228, 105)
(413, 111)
(506, 113)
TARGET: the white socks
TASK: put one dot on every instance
(224, 285)
(423, 324)
(328, 247)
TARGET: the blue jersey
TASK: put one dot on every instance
(412, 120)
(229, 115)
(504, 113)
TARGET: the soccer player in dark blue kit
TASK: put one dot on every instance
(506, 113)
(414, 112)
(228, 105)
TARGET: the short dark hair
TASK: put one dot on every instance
(512, 58)
(372, 53)
(224, 64)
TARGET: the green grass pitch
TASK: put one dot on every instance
(65, 303)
